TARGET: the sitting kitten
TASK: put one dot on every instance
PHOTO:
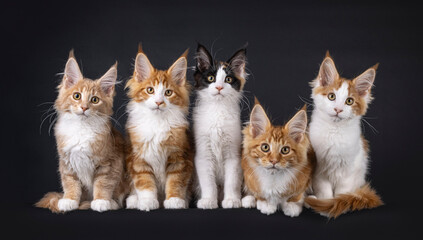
(160, 159)
(341, 150)
(91, 150)
(277, 163)
(217, 128)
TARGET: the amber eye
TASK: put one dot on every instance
(228, 80)
(331, 96)
(265, 147)
(285, 150)
(349, 101)
(210, 78)
(150, 90)
(95, 100)
(77, 96)
(168, 92)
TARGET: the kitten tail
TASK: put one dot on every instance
(362, 198)
(51, 199)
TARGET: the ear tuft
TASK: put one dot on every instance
(238, 61)
(72, 72)
(259, 122)
(143, 67)
(203, 57)
(178, 70)
(297, 126)
(108, 80)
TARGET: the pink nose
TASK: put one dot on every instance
(159, 103)
(274, 161)
(84, 109)
(338, 110)
(219, 88)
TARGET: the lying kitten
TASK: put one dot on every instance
(217, 128)
(91, 150)
(277, 163)
(341, 150)
(160, 159)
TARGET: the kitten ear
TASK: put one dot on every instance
(327, 73)
(204, 59)
(143, 67)
(364, 82)
(297, 126)
(238, 61)
(72, 72)
(258, 120)
(108, 80)
(178, 70)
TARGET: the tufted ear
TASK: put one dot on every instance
(72, 72)
(238, 61)
(297, 126)
(108, 80)
(258, 120)
(178, 70)
(364, 82)
(327, 73)
(143, 67)
(204, 59)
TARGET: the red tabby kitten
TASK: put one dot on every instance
(91, 150)
(160, 161)
(277, 163)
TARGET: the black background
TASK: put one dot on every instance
(287, 42)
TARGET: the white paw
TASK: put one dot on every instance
(310, 196)
(101, 205)
(206, 203)
(174, 203)
(147, 204)
(248, 202)
(292, 209)
(132, 202)
(231, 203)
(66, 204)
(266, 208)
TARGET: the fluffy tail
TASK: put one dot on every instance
(364, 197)
(51, 199)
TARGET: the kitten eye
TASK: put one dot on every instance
(168, 92)
(210, 78)
(331, 96)
(285, 150)
(265, 147)
(349, 101)
(77, 96)
(95, 100)
(150, 90)
(228, 80)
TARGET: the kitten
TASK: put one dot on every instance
(217, 128)
(91, 150)
(277, 161)
(160, 159)
(341, 150)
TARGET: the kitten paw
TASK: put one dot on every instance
(309, 196)
(174, 203)
(206, 203)
(132, 202)
(266, 208)
(101, 205)
(147, 204)
(66, 204)
(231, 203)
(248, 202)
(292, 209)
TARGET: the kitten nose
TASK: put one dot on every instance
(219, 88)
(338, 110)
(159, 103)
(274, 161)
(84, 108)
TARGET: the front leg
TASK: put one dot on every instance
(178, 176)
(233, 182)
(293, 206)
(207, 179)
(104, 185)
(322, 187)
(266, 206)
(71, 188)
(145, 187)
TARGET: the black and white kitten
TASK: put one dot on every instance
(217, 128)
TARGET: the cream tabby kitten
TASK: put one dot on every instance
(341, 150)
(91, 150)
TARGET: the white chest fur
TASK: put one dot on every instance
(78, 134)
(275, 184)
